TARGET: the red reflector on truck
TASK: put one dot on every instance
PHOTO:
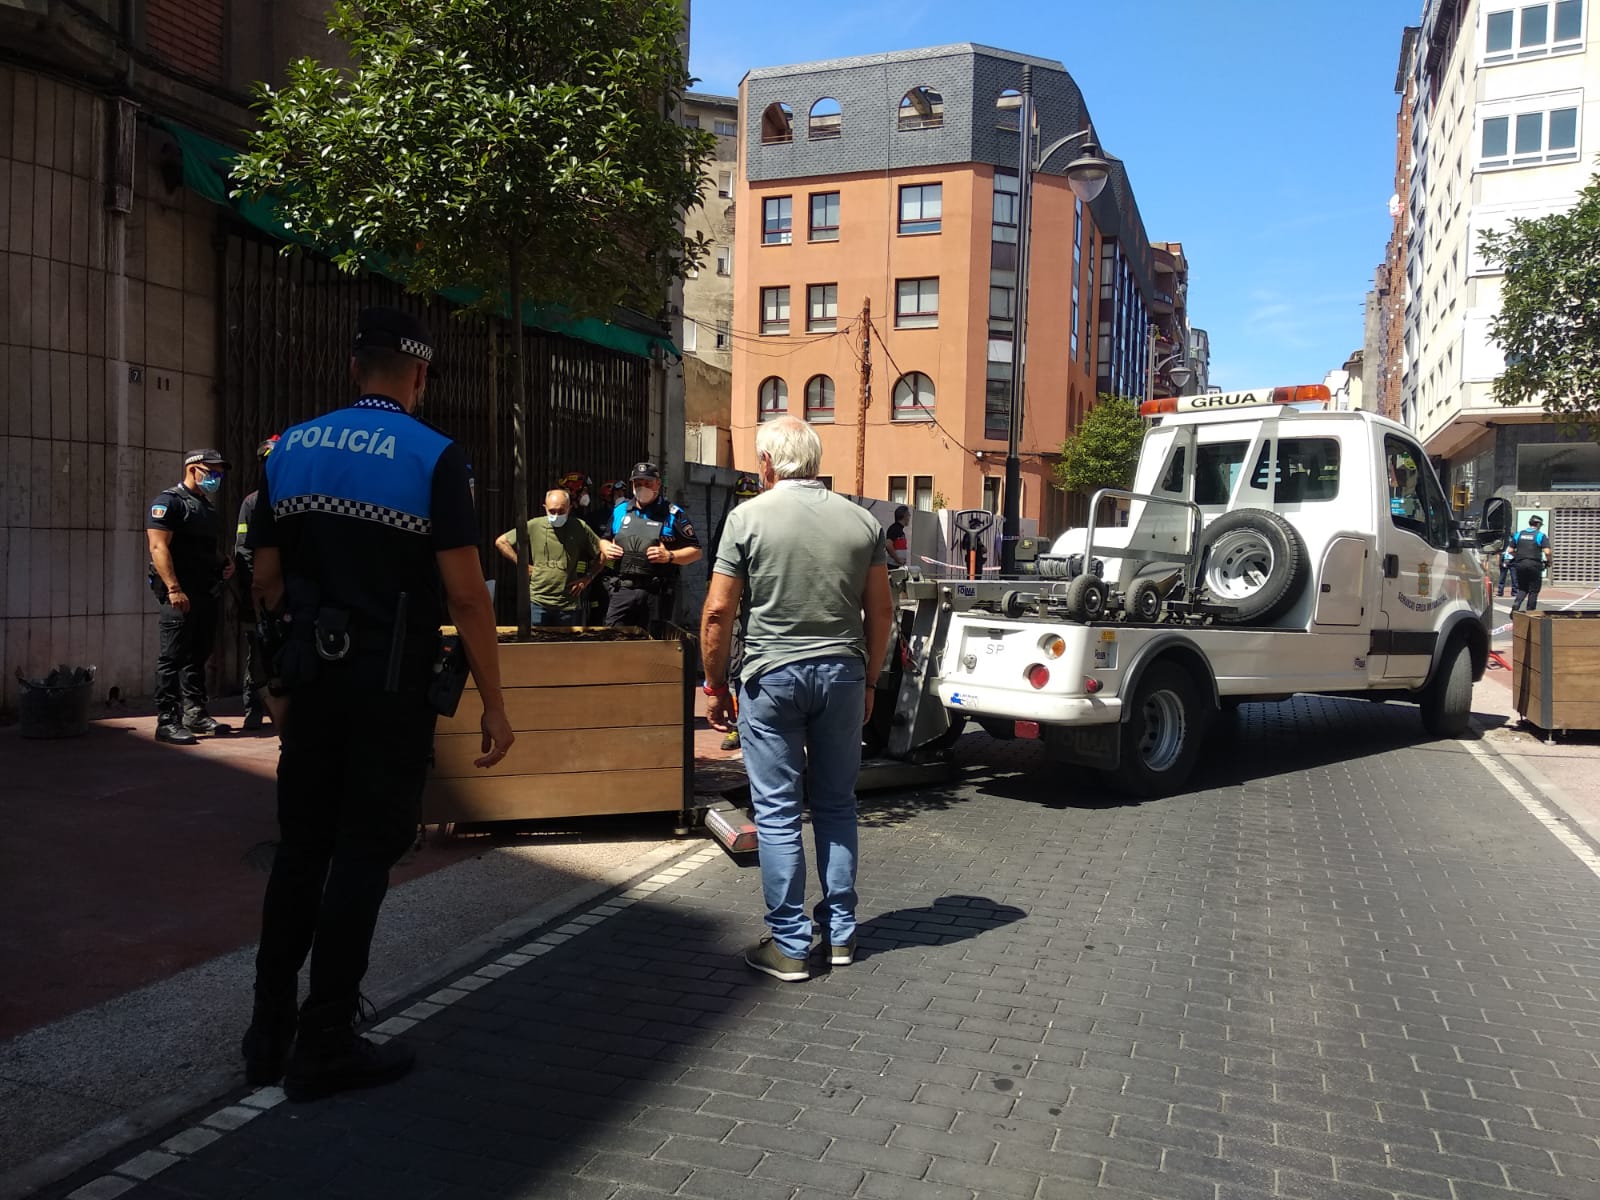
(1038, 675)
(1028, 729)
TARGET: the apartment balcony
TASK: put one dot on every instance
(1161, 302)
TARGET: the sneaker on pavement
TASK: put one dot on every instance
(765, 957)
(330, 1057)
(731, 742)
(176, 735)
(842, 956)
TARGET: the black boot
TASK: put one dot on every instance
(201, 722)
(267, 1041)
(330, 1057)
(174, 733)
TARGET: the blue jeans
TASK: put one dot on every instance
(800, 728)
(552, 616)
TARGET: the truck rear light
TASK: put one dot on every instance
(1092, 685)
(1038, 675)
(1027, 729)
(1053, 645)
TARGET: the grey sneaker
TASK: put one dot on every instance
(842, 956)
(765, 957)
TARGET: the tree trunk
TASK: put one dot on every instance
(519, 447)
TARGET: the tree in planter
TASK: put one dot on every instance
(1104, 451)
(519, 147)
(1549, 318)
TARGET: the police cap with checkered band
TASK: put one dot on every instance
(392, 329)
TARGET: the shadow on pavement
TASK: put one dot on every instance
(948, 919)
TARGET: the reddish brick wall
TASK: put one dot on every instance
(188, 34)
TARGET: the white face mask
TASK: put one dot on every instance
(646, 496)
(557, 520)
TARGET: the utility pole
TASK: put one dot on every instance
(1150, 361)
(1011, 516)
(866, 396)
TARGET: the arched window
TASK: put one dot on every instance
(819, 400)
(1008, 109)
(777, 124)
(913, 397)
(827, 119)
(921, 108)
(773, 398)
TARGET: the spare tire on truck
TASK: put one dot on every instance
(1255, 563)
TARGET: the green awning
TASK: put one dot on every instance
(207, 165)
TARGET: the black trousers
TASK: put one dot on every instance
(630, 605)
(1528, 582)
(350, 779)
(186, 640)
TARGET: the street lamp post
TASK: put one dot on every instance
(1086, 175)
(1179, 375)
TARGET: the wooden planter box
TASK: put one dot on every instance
(603, 727)
(1556, 659)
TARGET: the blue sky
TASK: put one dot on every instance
(1259, 133)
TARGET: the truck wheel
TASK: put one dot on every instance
(1086, 598)
(1144, 602)
(1447, 699)
(1161, 734)
(1255, 564)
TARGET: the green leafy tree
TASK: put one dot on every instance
(1104, 451)
(519, 147)
(1549, 318)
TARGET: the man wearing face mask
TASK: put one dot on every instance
(186, 574)
(563, 559)
(651, 537)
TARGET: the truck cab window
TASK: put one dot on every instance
(1216, 470)
(1415, 502)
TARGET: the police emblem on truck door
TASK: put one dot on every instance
(1424, 578)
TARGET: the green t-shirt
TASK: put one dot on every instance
(557, 557)
(804, 555)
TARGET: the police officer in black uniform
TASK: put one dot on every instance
(243, 581)
(651, 537)
(1530, 555)
(186, 574)
(365, 543)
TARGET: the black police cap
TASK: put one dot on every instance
(646, 470)
(392, 329)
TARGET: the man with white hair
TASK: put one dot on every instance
(817, 625)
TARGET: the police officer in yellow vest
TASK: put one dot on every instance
(365, 543)
(651, 537)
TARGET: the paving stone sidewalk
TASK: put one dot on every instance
(1347, 965)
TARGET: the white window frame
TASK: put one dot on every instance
(822, 307)
(774, 311)
(724, 128)
(782, 235)
(691, 335)
(724, 260)
(1517, 52)
(920, 291)
(1513, 112)
(899, 491)
(922, 487)
(724, 336)
(922, 225)
(725, 185)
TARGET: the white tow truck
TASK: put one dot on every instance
(1272, 546)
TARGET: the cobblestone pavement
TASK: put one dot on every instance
(1348, 964)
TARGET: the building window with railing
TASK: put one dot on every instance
(826, 121)
(913, 397)
(777, 221)
(774, 311)
(921, 207)
(825, 216)
(1532, 31)
(916, 303)
(777, 124)
(772, 398)
(822, 308)
(1546, 134)
(921, 108)
(819, 400)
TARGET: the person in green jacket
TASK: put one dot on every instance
(563, 559)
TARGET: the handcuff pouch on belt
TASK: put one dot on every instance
(331, 632)
(449, 677)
